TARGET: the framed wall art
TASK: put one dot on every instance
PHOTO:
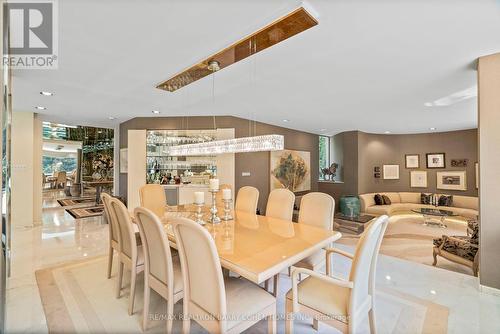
(418, 179)
(391, 172)
(435, 160)
(291, 170)
(412, 161)
(451, 180)
(123, 160)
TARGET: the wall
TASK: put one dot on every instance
(256, 163)
(377, 150)
(489, 148)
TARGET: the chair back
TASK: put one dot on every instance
(218, 195)
(247, 199)
(157, 254)
(201, 269)
(365, 262)
(110, 217)
(280, 204)
(61, 177)
(128, 244)
(152, 197)
(317, 209)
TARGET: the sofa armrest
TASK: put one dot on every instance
(366, 201)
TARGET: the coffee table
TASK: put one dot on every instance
(435, 217)
(355, 224)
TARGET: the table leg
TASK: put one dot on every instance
(98, 190)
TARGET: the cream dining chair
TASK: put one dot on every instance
(130, 255)
(114, 235)
(229, 305)
(247, 199)
(162, 271)
(316, 209)
(340, 303)
(152, 197)
(280, 204)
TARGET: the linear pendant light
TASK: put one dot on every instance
(277, 31)
(236, 145)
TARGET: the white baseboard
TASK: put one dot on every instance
(489, 290)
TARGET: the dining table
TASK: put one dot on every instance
(256, 247)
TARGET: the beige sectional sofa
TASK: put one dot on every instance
(465, 206)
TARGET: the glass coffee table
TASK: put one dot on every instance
(435, 217)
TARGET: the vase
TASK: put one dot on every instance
(350, 205)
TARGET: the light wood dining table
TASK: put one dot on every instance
(257, 247)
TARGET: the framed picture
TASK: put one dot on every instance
(124, 160)
(435, 160)
(477, 175)
(412, 161)
(291, 170)
(418, 179)
(391, 172)
(459, 162)
(451, 180)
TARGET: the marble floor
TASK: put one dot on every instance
(62, 239)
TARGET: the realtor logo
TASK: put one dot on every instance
(32, 35)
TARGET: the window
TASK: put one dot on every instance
(324, 152)
(56, 164)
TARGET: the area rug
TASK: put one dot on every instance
(76, 201)
(77, 297)
(86, 212)
(407, 238)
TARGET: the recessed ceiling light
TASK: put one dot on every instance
(40, 108)
(286, 120)
(46, 93)
(432, 129)
(156, 112)
(387, 132)
(111, 118)
(322, 130)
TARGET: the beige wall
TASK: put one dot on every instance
(489, 154)
(258, 164)
(136, 176)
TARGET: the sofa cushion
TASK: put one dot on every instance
(380, 209)
(467, 202)
(445, 200)
(426, 198)
(366, 200)
(379, 200)
(387, 200)
(394, 197)
(410, 197)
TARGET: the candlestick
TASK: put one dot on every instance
(226, 193)
(213, 210)
(199, 214)
(214, 184)
(227, 209)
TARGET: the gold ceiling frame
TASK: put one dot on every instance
(275, 32)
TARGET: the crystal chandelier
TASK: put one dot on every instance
(237, 145)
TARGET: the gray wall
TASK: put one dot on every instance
(379, 150)
(258, 163)
(489, 140)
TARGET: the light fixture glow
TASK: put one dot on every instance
(46, 93)
(286, 120)
(432, 129)
(388, 277)
(111, 118)
(387, 132)
(40, 108)
(322, 130)
(156, 112)
(237, 145)
(453, 98)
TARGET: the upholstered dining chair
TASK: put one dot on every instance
(162, 271)
(229, 305)
(341, 303)
(247, 199)
(316, 209)
(218, 195)
(61, 180)
(130, 254)
(152, 197)
(280, 204)
(114, 235)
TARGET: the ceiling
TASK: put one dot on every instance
(375, 66)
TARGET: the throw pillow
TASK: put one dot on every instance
(425, 198)
(387, 200)
(378, 199)
(445, 200)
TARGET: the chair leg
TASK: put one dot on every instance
(110, 261)
(315, 324)
(133, 277)
(373, 324)
(271, 324)
(288, 317)
(120, 277)
(186, 320)
(145, 312)
(170, 314)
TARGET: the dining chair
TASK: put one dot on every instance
(130, 255)
(152, 197)
(316, 209)
(220, 305)
(218, 195)
(162, 271)
(114, 235)
(341, 303)
(247, 199)
(280, 204)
